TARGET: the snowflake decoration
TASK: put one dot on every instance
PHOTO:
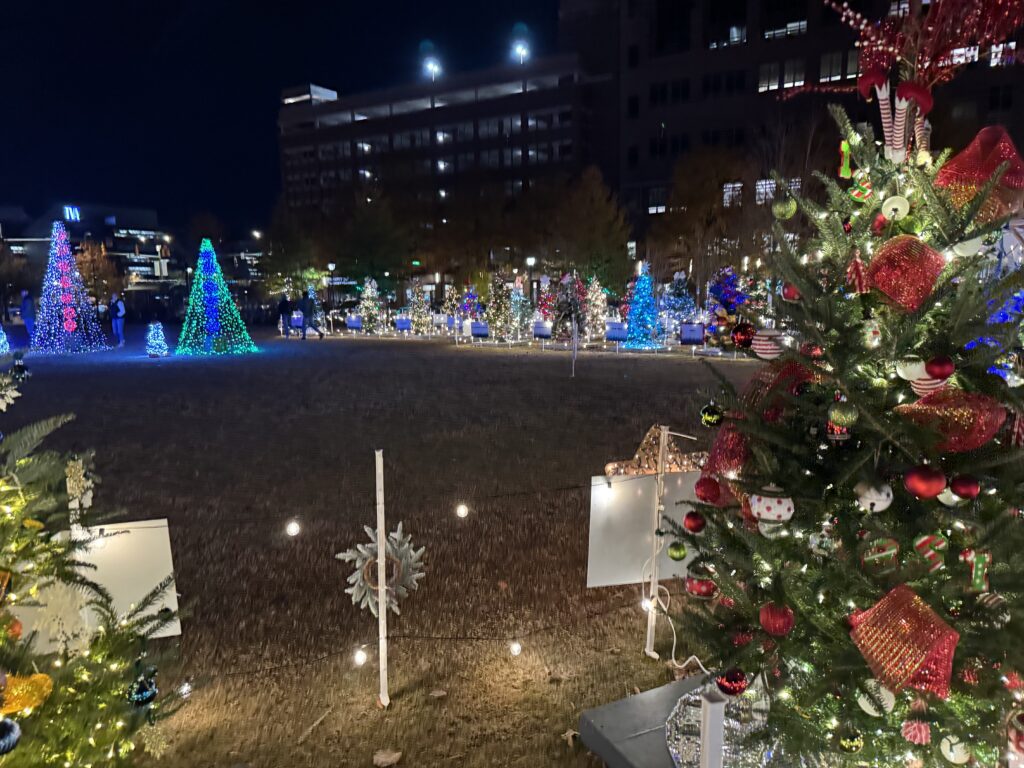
(79, 486)
(8, 392)
(404, 569)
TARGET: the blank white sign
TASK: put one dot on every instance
(621, 533)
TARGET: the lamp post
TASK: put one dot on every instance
(531, 262)
(521, 51)
(188, 278)
(330, 285)
(432, 67)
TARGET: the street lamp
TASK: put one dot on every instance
(330, 288)
(188, 277)
(521, 51)
(432, 66)
(531, 262)
(257, 235)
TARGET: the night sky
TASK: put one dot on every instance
(173, 105)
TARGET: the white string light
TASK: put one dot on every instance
(515, 648)
(293, 528)
(462, 511)
(359, 657)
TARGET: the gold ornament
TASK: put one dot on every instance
(645, 462)
(24, 692)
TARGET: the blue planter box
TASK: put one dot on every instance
(451, 322)
(354, 323)
(691, 333)
(615, 331)
(480, 330)
(403, 323)
(542, 330)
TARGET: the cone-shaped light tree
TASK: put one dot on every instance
(213, 325)
(643, 314)
(67, 319)
(419, 310)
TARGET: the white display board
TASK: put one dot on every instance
(130, 561)
(620, 526)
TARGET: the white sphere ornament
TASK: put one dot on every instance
(873, 498)
(895, 207)
(767, 343)
(771, 530)
(950, 499)
(879, 694)
(911, 368)
(771, 506)
(968, 247)
(954, 750)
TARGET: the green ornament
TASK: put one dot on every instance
(677, 551)
(784, 208)
(851, 741)
(843, 414)
(711, 415)
(910, 225)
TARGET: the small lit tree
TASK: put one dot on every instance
(643, 314)
(499, 309)
(370, 309)
(156, 344)
(419, 310)
(597, 309)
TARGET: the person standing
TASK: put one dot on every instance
(28, 314)
(284, 311)
(117, 313)
(308, 320)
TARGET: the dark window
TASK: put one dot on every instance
(680, 90)
(631, 8)
(1000, 97)
(659, 146)
(671, 27)
(633, 107)
(659, 94)
(633, 56)
(680, 143)
(632, 156)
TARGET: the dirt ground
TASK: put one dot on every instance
(230, 450)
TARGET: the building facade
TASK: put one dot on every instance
(503, 127)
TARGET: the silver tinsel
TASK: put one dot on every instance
(745, 716)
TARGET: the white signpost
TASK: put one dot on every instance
(382, 583)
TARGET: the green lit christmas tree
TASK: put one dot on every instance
(419, 310)
(597, 310)
(370, 309)
(859, 531)
(213, 325)
(499, 310)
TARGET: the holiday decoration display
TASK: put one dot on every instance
(732, 682)
(370, 310)
(419, 310)
(964, 177)
(698, 583)
(499, 310)
(790, 292)
(645, 460)
(743, 335)
(881, 557)
(5, 344)
(470, 306)
(450, 307)
(979, 562)
(965, 420)
(66, 321)
(404, 568)
(643, 315)
(954, 750)
(873, 497)
(784, 208)
(317, 316)
(911, 368)
(28, 692)
(597, 310)
(941, 367)
(570, 307)
(917, 732)
(905, 270)
(932, 547)
(767, 343)
(156, 344)
(924, 482)
(212, 324)
(677, 304)
(905, 643)
(10, 735)
(677, 550)
(771, 506)
(1015, 732)
(965, 486)
(777, 620)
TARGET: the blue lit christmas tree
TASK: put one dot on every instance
(5, 344)
(156, 344)
(643, 315)
(67, 320)
(213, 325)
(677, 302)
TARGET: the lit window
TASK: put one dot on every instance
(764, 191)
(966, 55)
(794, 185)
(732, 194)
(791, 29)
(794, 74)
(365, 173)
(852, 64)
(1003, 55)
(831, 67)
(768, 79)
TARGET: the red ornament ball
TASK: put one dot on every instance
(14, 629)
(790, 292)
(924, 482)
(743, 335)
(694, 522)
(740, 639)
(777, 620)
(733, 682)
(965, 486)
(707, 490)
(703, 589)
(811, 350)
(940, 367)
(879, 224)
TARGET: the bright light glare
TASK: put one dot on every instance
(185, 689)
(293, 528)
(432, 67)
(531, 261)
(646, 604)
(359, 657)
(462, 511)
(521, 51)
(515, 648)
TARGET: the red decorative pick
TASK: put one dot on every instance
(905, 270)
(879, 225)
(965, 174)
(964, 420)
(790, 292)
(918, 93)
(855, 275)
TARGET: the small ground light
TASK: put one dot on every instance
(293, 528)
(646, 604)
(185, 689)
(515, 648)
(359, 657)
(462, 511)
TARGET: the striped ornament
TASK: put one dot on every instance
(1017, 434)
(899, 126)
(927, 385)
(932, 547)
(766, 344)
(885, 107)
(922, 132)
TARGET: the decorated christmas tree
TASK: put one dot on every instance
(470, 306)
(627, 298)
(318, 318)
(546, 299)
(522, 311)
(67, 318)
(570, 306)
(92, 699)
(419, 310)
(370, 309)
(452, 303)
(212, 324)
(726, 298)
(156, 344)
(859, 538)
(643, 315)
(499, 310)
(5, 344)
(677, 304)
(597, 310)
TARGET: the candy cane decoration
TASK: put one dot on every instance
(979, 560)
(922, 133)
(882, 557)
(899, 131)
(885, 107)
(932, 547)
(1017, 434)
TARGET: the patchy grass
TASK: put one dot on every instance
(230, 450)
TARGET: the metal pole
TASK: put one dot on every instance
(382, 583)
(658, 509)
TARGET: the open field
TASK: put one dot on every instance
(229, 450)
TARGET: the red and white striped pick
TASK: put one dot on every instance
(917, 732)
(885, 108)
(766, 344)
(855, 275)
(899, 131)
(927, 385)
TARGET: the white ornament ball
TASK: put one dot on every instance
(896, 207)
(911, 368)
(880, 693)
(950, 499)
(968, 247)
(954, 750)
(873, 498)
(770, 505)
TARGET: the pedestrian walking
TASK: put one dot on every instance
(284, 311)
(117, 313)
(308, 318)
(28, 314)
